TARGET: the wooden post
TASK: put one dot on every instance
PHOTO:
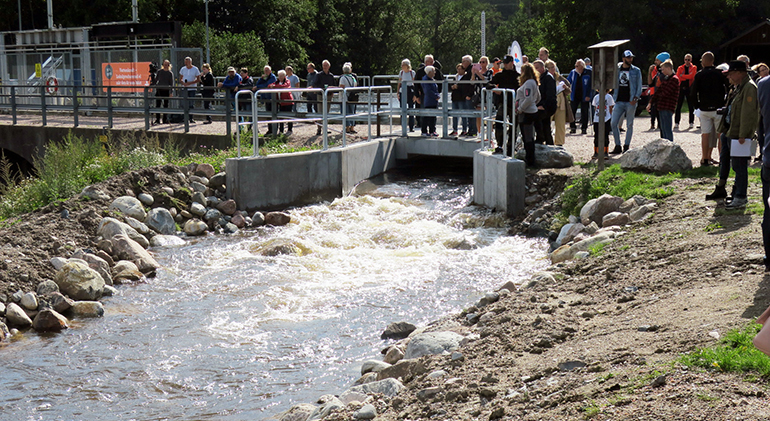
(600, 129)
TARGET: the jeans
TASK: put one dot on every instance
(472, 129)
(410, 104)
(459, 106)
(666, 124)
(766, 216)
(350, 109)
(620, 109)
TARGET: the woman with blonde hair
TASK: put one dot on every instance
(527, 97)
(563, 90)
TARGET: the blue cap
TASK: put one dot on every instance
(663, 56)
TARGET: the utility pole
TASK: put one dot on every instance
(484, 34)
(50, 13)
(208, 50)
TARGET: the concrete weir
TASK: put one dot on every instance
(278, 181)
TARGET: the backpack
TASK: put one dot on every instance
(352, 96)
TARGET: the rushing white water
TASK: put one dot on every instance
(227, 333)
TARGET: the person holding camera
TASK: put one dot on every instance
(508, 78)
(164, 80)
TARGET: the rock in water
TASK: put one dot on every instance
(160, 220)
(127, 249)
(277, 219)
(166, 241)
(125, 271)
(258, 219)
(16, 316)
(432, 343)
(87, 309)
(79, 281)
(659, 156)
(49, 321)
(110, 227)
(195, 227)
(398, 330)
(129, 206)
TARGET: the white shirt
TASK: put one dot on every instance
(189, 75)
(407, 77)
(608, 102)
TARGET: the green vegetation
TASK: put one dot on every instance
(713, 226)
(734, 353)
(591, 410)
(597, 249)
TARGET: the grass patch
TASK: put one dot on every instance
(591, 410)
(713, 226)
(735, 353)
(596, 250)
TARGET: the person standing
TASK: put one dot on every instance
(580, 80)
(562, 103)
(294, 82)
(542, 55)
(527, 97)
(208, 82)
(246, 84)
(460, 97)
(428, 60)
(407, 75)
(324, 80)
(707, 94)
(627, 93)
(231, 82)
(312, 105)
(739, 123)
(686, 74)
(189, 77)
(431, 97)
(546, 108)
(508, 78)
(665, 98)
(163, 83)
(652, 81)
(609, 103)
(286, 99)
(763, 92)
(267, 79)
(348, 80)
(471, 73)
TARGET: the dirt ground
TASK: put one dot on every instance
(670, 284)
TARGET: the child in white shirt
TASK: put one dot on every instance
(609, 104)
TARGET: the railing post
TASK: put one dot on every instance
(255, 122)
(13, 104)
(325, 115)
(228, 116)
(146, 108)
(445, 106)
(75, 107)
(482, 104)
(369, 112)
(505, 123)
(186, 106)
(404, 109)
(109, 107)
(344, 110)
(237, 124)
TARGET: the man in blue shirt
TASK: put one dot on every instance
(627, 93)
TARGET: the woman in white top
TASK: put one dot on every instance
(348, 80)
(527, 97)
(407, 75)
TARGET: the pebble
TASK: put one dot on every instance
(146, 199)
(367, 412)
(457, 356)
(437, 374)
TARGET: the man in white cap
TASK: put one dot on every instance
(627, 93)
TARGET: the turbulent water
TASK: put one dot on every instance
(227, 333)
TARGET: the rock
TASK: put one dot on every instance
(139, 226)
(388, 387)
(16, 316)
(299, 412)
(146, 199)
(46, 287)
(125, 271)
(166, 241)
(198, 209)
(562, 254)
(59, 302)
(572, 231)
(96, 263)
(659, 381)
(200, 199)
(239, 221)
(183, 215)
(212, 215)
(204, 170)
(128, 249)
(367, 412)
(548, 156)
(106, 257)
(200, 179)
(168, 190)
(497, 414)
(16, 297)
(394, 355)
(213, 200)
(277, 247)
(588, 243)
(615, 218)
(110, 227)
(432, 343)
(29, 301)
(87, 309)
(402, 369)
(581, 255)
(398, 330)
(487, 318)
(642, 211)
(93, 193)
(129, 206)
(109, 291)
(230, 228)
(197, 187)
(437, 374)
(366, 378)
(429, 393)
(457, 356)
(258, 219)
(277, 219)
(4, 333)
(373, 366)
(628, 206)
(591, 228)
(595, 209)
(351, 397)
(217, 180)
(659, 156)
(195, 227)
(228, 207)
(79, 281)
(161, 221)
(330, 403)
(58, 262)
(49, 321)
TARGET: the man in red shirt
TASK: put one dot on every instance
(686, 74)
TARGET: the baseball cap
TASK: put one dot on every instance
(663, 56)
(507, 59)
(495, 60)
(628, 53)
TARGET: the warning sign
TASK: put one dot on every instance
(126, 77)
(38, 70)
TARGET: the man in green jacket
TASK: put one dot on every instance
(738, 125)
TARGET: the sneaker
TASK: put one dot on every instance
(690, 126)
(464, 134)
(621, 130)
(207, 121)
(498, 151)
(572, 131)
(595, 155)
(289, 133)
(318, 132)
(584, 132)
(705, 163)
(737, 203)
(454, 133)
(192, 121)
(425, 134)
(617, 150)
(434, 134)
(719, 193)
(625, 148)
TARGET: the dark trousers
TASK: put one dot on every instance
(766, 216)
(190, 95)
(312, 105)
(409, 104)
(684, 93)
(528, 136)
(428, 123)
(583, 105)
(207, 98)
(499, 134)
(607, 129)
(285, 109)
(740, 166)
(543, 128)
(161, 98)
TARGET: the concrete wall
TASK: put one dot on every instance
(280, 181)
(498, 182)
(436, 147)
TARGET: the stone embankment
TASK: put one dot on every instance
(161, 209)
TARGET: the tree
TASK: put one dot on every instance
(227, 49)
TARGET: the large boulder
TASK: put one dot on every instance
(549, 156)
(387, 387)
(595, 209)
(49, 321)
(659, 156)
(110, 227)
(160, 220)
(195, 227)
(79, 281)
(432, 343)
(128, 249)
(129, 206)
(16, 316)
(277, 218)
(398, 330)
(96, 263)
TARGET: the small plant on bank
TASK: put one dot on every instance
(713, 226)
(734, 353)
(597, 249)
(591, 410)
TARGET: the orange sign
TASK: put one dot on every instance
(126, 77)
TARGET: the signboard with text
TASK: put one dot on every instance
(126, 77)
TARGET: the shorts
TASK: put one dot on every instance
(708, 121)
